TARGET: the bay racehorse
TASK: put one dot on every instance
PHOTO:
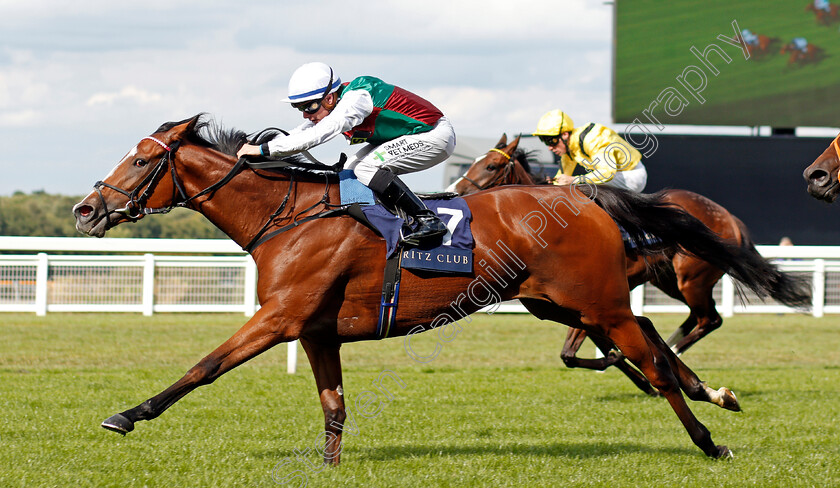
(823, 17)
(686, 278)
(320, 279)
(811, 54)
(822, 174)
(763, 47)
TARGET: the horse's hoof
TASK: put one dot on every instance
(722, 452)
(119, 424)
(729, 400)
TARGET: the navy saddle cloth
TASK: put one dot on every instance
(453, 255)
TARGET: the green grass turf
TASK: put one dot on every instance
(495, 408)
(653, 42)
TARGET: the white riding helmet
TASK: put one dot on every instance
(311, 81)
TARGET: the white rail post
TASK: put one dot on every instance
(148, 299)
(291, 358)
(818, 289)
(41, 276)
(250, 295)
(637, 300)
(727, 296)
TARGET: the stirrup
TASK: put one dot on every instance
(418, 236)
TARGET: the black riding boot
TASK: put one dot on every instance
(392, 191)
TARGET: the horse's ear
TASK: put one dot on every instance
(185, 127)
(513, 145)
(191, 124)
(502, 142)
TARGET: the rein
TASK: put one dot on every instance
(135, 206)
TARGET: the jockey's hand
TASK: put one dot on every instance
(249, 150)
(563, 180)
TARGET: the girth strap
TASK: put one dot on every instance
(390, 296)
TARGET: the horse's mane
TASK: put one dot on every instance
(208, 133)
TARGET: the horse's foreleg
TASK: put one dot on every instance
(689, 382)
(259, 334)
(326, 366)
(574, 340)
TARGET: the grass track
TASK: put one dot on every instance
(495, 408)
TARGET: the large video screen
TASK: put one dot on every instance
(748, 62)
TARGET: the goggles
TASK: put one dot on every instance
(550, 140)
(312, 106)
(309, 106)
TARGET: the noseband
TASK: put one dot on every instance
(498, 179)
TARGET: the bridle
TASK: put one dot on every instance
(135, 206)
(500, 178)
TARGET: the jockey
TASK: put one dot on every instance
(749, 38)
(822, 5)
(609, 158)
(800, 43)
(402, 133)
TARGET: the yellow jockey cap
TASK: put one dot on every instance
(554, 123)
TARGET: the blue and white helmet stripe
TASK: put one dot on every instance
(319, 91)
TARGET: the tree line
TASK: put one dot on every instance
(43, 214)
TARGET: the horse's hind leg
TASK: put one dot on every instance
(693, 284)
(326, 366)
(626, 333)
(689, 382)
(575, 338)
(621, 327)
(667, 282)
(707, 318)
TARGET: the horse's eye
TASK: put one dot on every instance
(139, 162)
(492, 167)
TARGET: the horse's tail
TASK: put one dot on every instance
(787, 289)
(642, 215)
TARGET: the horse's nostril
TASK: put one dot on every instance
(85, 210)
(817, 175)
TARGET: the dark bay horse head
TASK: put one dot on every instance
(822, 174)
(502, 165)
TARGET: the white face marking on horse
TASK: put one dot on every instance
(451, 188)
(130, 154)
